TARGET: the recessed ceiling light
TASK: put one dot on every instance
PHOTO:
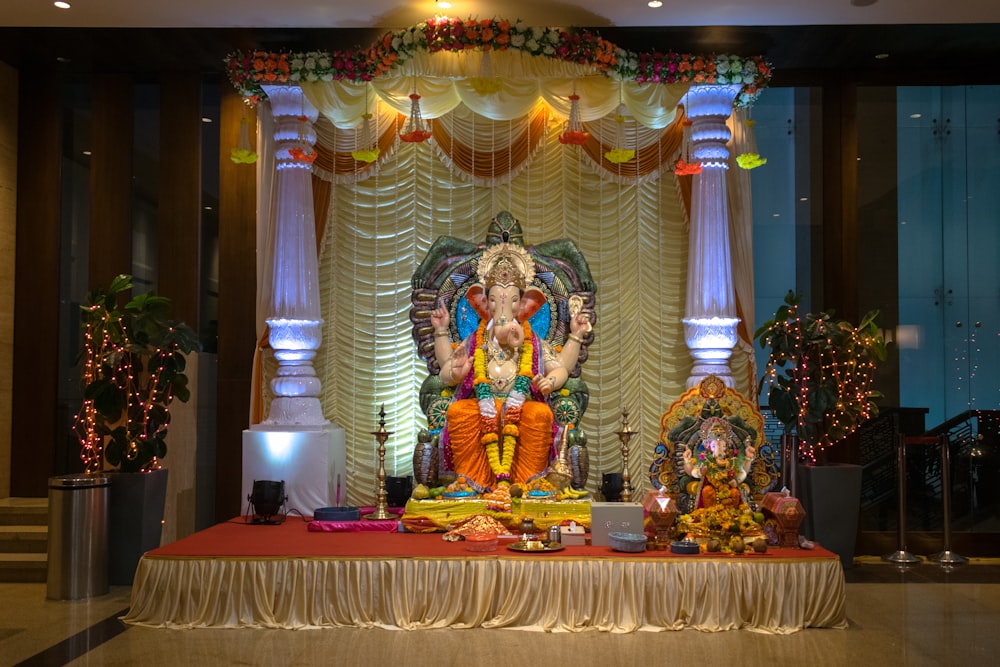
(654, 3)
(881, 56)
(86, 152)
(803, 198)
(61, 5)
(62, 59)
(915, 115)
(206, 119)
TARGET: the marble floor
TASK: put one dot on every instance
(921, 615)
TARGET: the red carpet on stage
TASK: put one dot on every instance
(292, 539)
(285, 576)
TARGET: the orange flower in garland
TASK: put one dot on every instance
(501, 459)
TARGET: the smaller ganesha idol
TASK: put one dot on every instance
(718, 465)
(710, 458)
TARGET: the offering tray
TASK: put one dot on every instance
(458, 494)
(535, 546)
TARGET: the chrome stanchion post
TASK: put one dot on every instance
(901, 555)
(946, 556)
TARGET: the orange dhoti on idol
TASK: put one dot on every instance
(531, 447)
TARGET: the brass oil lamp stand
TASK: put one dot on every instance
(625, 435)
(381, 435)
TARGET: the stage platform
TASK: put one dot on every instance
(285, 576)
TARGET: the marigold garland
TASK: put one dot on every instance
(501, 460)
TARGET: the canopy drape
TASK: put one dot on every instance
(496, 118)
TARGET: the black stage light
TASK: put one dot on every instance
(267, 502)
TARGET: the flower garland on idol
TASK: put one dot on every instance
(501, 458)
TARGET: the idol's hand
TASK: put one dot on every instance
(461, 364)
(580, 324)
(544, 384)
(440, 317)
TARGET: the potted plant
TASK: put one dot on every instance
(133, 361)
(820, 373)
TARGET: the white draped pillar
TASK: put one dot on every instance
(710, 313)
(294, 310)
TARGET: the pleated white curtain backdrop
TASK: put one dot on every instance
(633, 235)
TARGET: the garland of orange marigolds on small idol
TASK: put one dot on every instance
(248, 71)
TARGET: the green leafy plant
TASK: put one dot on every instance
(133, 361)
(820, 371)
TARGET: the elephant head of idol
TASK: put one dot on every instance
(504, 296)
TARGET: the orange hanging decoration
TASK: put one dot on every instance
(574, 134)
(303, 152)
(416, 129)
(684, 165)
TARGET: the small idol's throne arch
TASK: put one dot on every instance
(715, 425)
(444, 279)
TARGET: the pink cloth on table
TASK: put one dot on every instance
(362, 526)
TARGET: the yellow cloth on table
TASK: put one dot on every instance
(428, 516)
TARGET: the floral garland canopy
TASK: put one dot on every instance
(497, 68)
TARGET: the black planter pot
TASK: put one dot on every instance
(831, 497)
(135, 521)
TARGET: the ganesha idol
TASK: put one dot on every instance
(504, 339)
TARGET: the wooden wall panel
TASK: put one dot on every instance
(237, 306)
(179, 213)
(35, 429)
(111, 179)
(840, 199)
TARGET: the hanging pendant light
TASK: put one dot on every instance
(416, 129)
(486, 84)
(243, 153)
(369, 150)
(574, 134)
(685, 165)
(619, 154)
(747, 155)
(303, 151)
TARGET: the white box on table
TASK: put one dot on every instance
(573, 536)
(614, 518)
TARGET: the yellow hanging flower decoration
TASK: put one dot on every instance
(365, 155)
(619, 155)
(750, 160)
(243, 156)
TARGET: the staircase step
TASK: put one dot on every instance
(24, 539)
(23, 568)
(24, 511)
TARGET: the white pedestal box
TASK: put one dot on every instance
(311, 463)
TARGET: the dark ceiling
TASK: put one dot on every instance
(940, 54)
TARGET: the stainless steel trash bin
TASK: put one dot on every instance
(78, 536)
